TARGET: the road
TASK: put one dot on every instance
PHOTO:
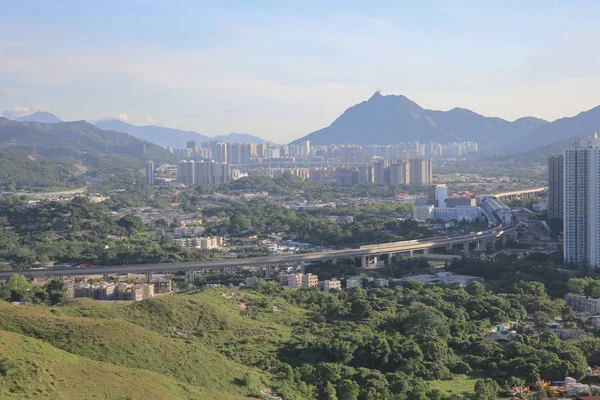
(371, 250)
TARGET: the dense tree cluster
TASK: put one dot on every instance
(81, 232)
(387, 343)
(291, 187)
(16, 288)
(372, 224)
(20, 172)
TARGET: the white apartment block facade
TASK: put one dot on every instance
(582, 202)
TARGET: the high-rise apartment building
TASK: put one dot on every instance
(555, 185)
(218, 150)
(421, 171)
(150, 172)
(399, 173)
(190, 144)
(441, 193)
(210, 172)
(239, 153)
(581, 198)
(185, 172)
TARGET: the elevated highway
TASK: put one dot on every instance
(363, 254)
(520, 194)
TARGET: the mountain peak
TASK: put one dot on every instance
(376, 95)
(390, 119)
(40, 116)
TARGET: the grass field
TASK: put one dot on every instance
(459, 385)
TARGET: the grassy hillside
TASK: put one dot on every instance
(30, 368)
(212, 320)
(111, 339)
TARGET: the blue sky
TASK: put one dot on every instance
(283, 69)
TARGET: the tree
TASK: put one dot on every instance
(535, 289)
(329, 392)
(348, 390)
(486, 389)
(16, 288)
(132, 223)
(577, 285)
(57, 291)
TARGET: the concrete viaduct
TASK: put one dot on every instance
(520, 194)
(364, 255)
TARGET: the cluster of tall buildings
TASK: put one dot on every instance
(242, 153)
(416, 171)
(395, 151)
(191, 172)
(574, 196)
(249, 153)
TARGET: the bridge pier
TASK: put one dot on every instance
(268, 274)
(302, 267)
(364, 262)
(105, 276)
(466, 247)
(449, 248)
(425, 252)
(148, 276)
(389, 258)
(411, 253)
(334, 261)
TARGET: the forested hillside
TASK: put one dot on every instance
(21, 172)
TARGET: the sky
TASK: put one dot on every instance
(282, 69)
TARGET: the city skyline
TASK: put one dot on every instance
(283, 71)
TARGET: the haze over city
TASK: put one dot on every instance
(283, 70)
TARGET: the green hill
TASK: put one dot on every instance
(116, 341)
(78, 141)
(30, 368)
(22, 172)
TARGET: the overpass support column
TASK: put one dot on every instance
(148, 276)
(302, 267)
(105, 276)
(449, 248)
(364, 262)
(411, 253)
(268, 274)
(334, 261)
(466, 247)
(389, 258)
(425, 252)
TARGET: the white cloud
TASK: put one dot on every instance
(123, 117)
(149, 121)
(20, 111)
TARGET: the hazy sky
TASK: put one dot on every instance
(282, 69)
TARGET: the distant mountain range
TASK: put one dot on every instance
(178, 138)
(557, 134)
(159, 135)
(392, 119)
(76, 141)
